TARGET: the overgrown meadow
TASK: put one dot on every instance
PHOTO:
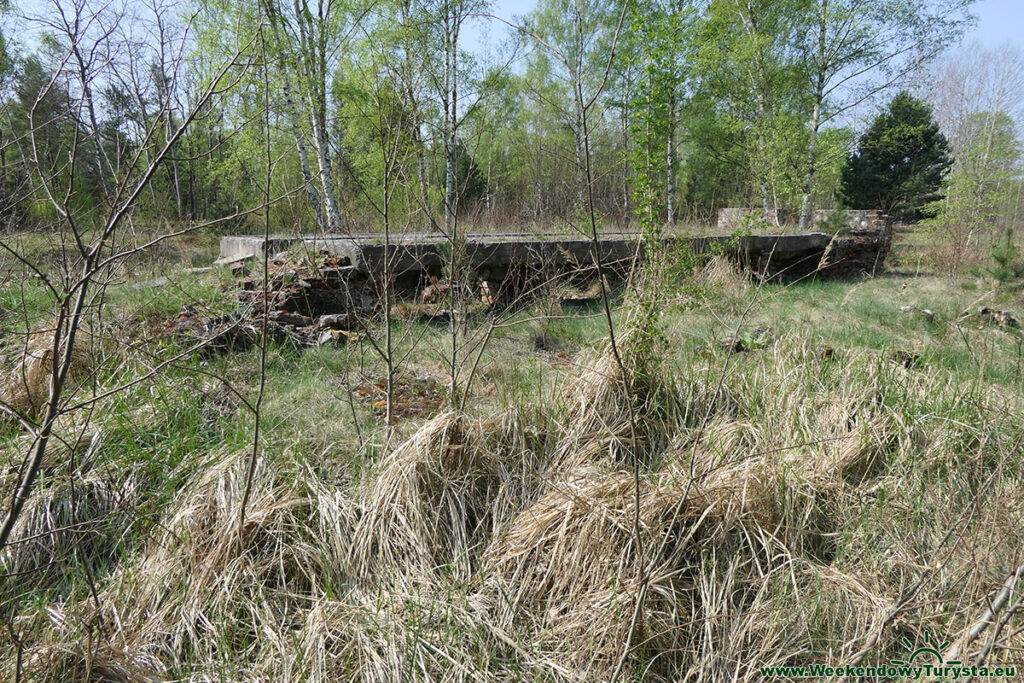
(782, 473)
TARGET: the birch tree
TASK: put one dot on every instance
(571, 36)
(856, 49)
(306, 38)
(749, 67)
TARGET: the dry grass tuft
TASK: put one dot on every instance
(723, 526)
(425, 501)
(344, 642)
(336, 520)
(522, 444)
(26, 386)
(72, 663)
(724, 277)
(606, 402)
(65, 522)
(569, 568)
(432, 500)
(201, 583)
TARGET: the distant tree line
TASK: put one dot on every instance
(704, 104)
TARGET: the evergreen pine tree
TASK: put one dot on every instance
(899, 162)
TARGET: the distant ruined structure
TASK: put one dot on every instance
(859, 240)
(845, 243)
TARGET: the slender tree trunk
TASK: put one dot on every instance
(670, 161)
(538, 186)
(106, 168)
(421, 165)
(414, 127)
(806, 210)
(625, 159)
(307, 173)
(451, 28)
(175, 175)
(487, 193)
(143, 126)
(389, 360)
(164, 93)
(580, 163)
(316, 100)
(758, 82)
(324, 166)
(578, 127)
(766, 193)
(291, 111)
(421, 170)
(192, 189)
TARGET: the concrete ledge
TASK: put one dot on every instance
(426, 254)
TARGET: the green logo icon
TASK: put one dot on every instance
(925, 649)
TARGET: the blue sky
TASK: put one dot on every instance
(999, 21)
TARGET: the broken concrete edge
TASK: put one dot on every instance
(366, 254)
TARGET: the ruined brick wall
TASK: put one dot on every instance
(821, 220)
(861, 243)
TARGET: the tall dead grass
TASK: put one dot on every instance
(434, 500)
(568, 568)
(26, 385)
(65, 523)
(724, 277)
(201, 588)
(616, 413)
(78, 663)
(783, 530)
(426, 501)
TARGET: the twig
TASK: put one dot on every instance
(251, 470)
(982, 623)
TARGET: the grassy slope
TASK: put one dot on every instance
(832, 483)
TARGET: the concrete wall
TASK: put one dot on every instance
(861, 246)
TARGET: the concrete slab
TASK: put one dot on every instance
(427, 253)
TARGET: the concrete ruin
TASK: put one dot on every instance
(859, 240)
(859, 244)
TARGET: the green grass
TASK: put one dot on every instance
(823, 552)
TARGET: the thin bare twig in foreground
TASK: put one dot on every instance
(258, 405)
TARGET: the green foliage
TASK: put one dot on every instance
(835, 223)
(706, 103)
(660, 47)
(899, 163)
(982, 186)
(469, 179)
(749, 108)
(1007, 258)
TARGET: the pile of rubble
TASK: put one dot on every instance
(312, 301)
(994, 317)
(306, 302)
(237, 331)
